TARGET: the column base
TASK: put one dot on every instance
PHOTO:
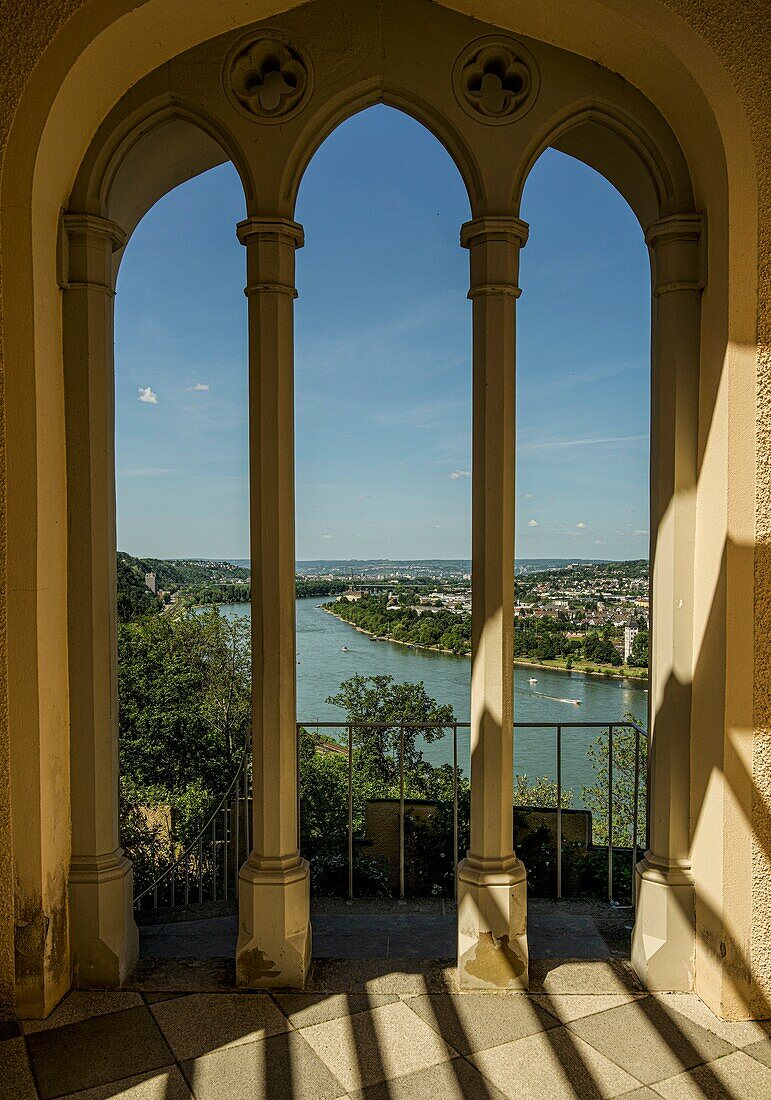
(664, 934)
(104, 938)
(274, 926)
(492, 927)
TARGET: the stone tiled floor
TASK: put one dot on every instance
(352, 933)
(390, 1030)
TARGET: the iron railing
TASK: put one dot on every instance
(207, 868)
(348, 729)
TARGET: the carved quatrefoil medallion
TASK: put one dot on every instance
(495, 80)
(268, 78)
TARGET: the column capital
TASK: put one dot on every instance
(274, 230)
(494, 243)
(494, 227)
(87, 244)
(677, 247)
(96, 228)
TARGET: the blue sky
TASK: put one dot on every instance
(383, 354)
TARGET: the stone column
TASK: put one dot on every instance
(492, 888)
(103, 935)
(274, 938)
(663, 940)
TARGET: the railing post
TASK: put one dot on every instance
(401, 813)
(610, 812)
(225, 852)
(237, 838)
(299, 801)
(635, 811)
(559, 813)
(350, 812)
(214, 858)
(455, 810)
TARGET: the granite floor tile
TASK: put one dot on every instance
(565, 936)
(97, 1051)
(16, 1081)
(471, 1023)
(190, 975)
(571, 976)
(643, 1093)
(738, 1033)
(552, 1065)
(384, 1043)
(390, 976)
(163, 1084)
(574, 1006)
(735, 1077)
(204, 1022)
(649, 1042)
(344, 945)
(283, 1067)
(455, 1080)
(305, 1009)
(760, 1051)
(82, 1005)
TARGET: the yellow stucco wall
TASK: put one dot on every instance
(739, 35)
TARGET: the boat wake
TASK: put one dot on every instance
(556, 698)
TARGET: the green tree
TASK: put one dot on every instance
(596, 796)
(541, 792)
(134, 598)
(396, 710)
(184, 712)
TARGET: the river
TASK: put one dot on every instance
(323, 663)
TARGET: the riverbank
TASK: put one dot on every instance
(394, 641)
(586, 668)
(558, 664)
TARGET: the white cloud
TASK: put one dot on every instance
(641, 532)
(327, 537)
(456, 475)
(532, 523)
(147, 395)
(437, 527)
(199, 387)
(562, 444)
(581, 526)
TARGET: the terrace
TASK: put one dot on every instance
(386, 1029)
(109, 106)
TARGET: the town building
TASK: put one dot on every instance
(630, 633)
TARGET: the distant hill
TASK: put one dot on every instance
(177, 571)
(135, 600)
(434, 566)
(134, 597)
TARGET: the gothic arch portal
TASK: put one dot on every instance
(172, 101)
